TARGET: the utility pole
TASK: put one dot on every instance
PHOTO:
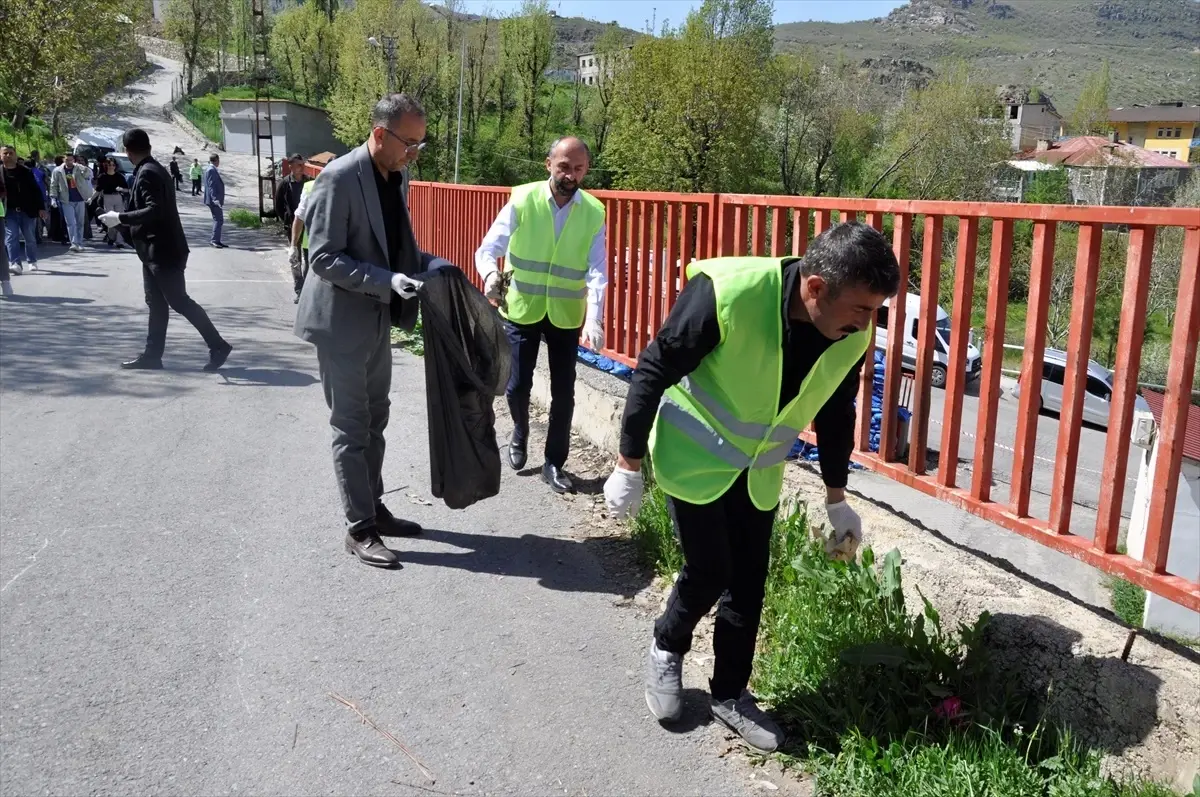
(462, 61)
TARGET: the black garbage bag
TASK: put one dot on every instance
(467, 362)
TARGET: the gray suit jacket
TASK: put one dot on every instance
(347, 253)
(214, 186)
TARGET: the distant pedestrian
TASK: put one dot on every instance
(39, 174)
(157, 235)
(176, 175)
(113, 189)
(195, 172)
(287, 195)
(214, 197)
(58, 222)
(70, 188)
(22, 209)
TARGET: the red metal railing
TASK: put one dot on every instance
(651, 237)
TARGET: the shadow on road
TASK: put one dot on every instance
(567, 565)
(60, 346)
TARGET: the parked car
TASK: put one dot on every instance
(1097, 397)
(941, 340)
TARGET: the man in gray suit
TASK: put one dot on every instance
(214, 197)
(361, 247)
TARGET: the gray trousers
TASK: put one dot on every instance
(356, 385)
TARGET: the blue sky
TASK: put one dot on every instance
(636, 13)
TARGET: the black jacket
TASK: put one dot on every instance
(23, 192)
(153, 218)
(287, 198)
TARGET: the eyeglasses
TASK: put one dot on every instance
(410, 147)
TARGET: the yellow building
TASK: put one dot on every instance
(1166, 128)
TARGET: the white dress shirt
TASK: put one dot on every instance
(495, 245)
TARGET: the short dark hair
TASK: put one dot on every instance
(853, 253)
(34, 154)
(296, 156)
(137, 141)
(213, 158)
(393, 107)
(557, 141)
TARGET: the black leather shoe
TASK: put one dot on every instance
(516, 454)
(143, 363)
(559, 482)
(389, 525)
(217, 357)
(367, 546)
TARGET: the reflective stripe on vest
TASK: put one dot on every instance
(549, 272)
(724, 418)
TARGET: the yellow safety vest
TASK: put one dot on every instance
(724, 417)
(305, 191)
(549, 273)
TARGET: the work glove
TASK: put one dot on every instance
(405, 286)
(53, 202)
(593, 334)
(845, 532)
(492, 287)
(110, 219)
(623, 492)
(293, 255)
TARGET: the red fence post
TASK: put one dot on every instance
(1175, 408)
(1040, 273)
(931, 261)
(1083, 306)
(956, 376)
(1125, 378)
(999, 270)
(894, 357)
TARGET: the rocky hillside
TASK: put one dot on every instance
(1152, 46)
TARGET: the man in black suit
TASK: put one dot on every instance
(157, 235)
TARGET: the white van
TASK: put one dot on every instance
(1097, 396)
(94, 143)
(941, 340)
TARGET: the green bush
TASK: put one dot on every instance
(35, 135)
(205, 113)
(245, 218)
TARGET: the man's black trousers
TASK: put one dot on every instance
(166, 290)
(726, 550)
(561, 348)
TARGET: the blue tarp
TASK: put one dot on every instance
(801, 450)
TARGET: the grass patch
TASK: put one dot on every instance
(205, 113)
(35, 135)
(879, 701)
(410, 341)
(1128, 601)
(245, 218)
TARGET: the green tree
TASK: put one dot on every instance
(199, 26)
(941, 144)
(303, 48)
(1090, 117)
(527, 41)
(686, 115)
(44, 70)
(613, 53)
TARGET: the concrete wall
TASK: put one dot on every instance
(1033, 123)
(294, 128)
(309, 131)
(1183, 559)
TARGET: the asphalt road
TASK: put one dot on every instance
(176, 607)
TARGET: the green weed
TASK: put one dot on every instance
(413, 342)
(1128, 601)
(245, 218)
(654, 535)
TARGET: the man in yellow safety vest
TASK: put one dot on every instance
(551, 234)
(753, 350)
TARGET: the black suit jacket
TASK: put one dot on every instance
(153, 217)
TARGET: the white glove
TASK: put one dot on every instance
(53, 202)
(491, 286)
(293, 255)
(845, 532)
(593, 334)
(623, 492)
(405, 286)
(110, 219)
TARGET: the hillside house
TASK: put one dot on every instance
(1170, 128)
(590, 65)
(1103, 171)
(1029, 115)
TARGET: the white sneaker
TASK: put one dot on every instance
(664, 684)
(6, 289)
(747, 720)
(76, 248)
(17, 268)
(33, 267)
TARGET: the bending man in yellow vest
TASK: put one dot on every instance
(298, 251)
(552, 237)
(752, 352)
